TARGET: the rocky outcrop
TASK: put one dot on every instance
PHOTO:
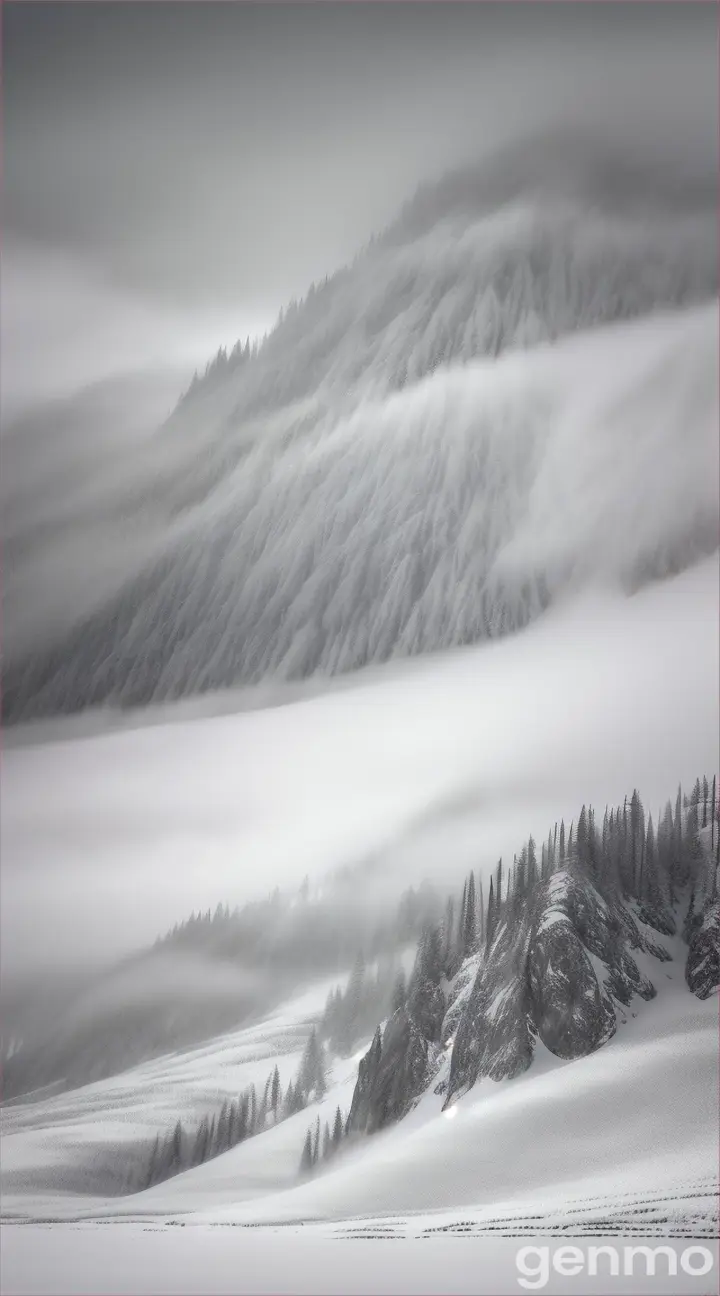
(572, 1012)
(554, 972)
(702, 969)
(401, 1059)
(393, 1073)
(494, 1037)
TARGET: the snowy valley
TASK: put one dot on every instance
(360, 832)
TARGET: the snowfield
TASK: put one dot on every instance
(639, 1116)
(621, 1144)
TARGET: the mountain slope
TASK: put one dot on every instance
(373, 482)
(452, 511)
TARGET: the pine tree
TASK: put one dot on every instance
(469, 929)
(562, 841)
(153, 1163)
(326, 1142)
(221, 1130)
(705, 791)
(532, 873)
(311, 1079)
(694, 854)
(252, 1111)
(176, 1150)
(651, 883)
(242, 1128)
(520, 879)
(337, 1128)
(678, 876)
(481, 913)
(289, 1103)
(316, 1143)
(448, 936)
(306, 1160)
(232, 1124)
(275, 1092)
(490, 917)
(199, 1151)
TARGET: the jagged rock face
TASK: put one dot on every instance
(540, 979)
(572, 1014)
(605, 929)
(390, 1076)
(702, 970)
(494, 1037)
(461, 991)
(360, 1107)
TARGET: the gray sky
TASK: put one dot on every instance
(174, 172)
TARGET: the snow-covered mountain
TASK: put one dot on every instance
(437, 442)
(561, 1025)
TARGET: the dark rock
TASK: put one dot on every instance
(390, 1076)
(495, 1036)
(702, 970)
(572, 1014)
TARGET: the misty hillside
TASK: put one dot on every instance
(211, 973)
(543, 963)
(403, 465)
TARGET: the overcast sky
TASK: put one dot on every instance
(174, 172)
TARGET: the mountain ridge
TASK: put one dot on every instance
(356, 489)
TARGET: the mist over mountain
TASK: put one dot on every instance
(510, 393)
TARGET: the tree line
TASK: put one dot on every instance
(664, 870)
(238, 1119)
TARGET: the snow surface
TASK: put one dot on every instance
(640, 1115)
(621, 1144)
(90, 1260)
